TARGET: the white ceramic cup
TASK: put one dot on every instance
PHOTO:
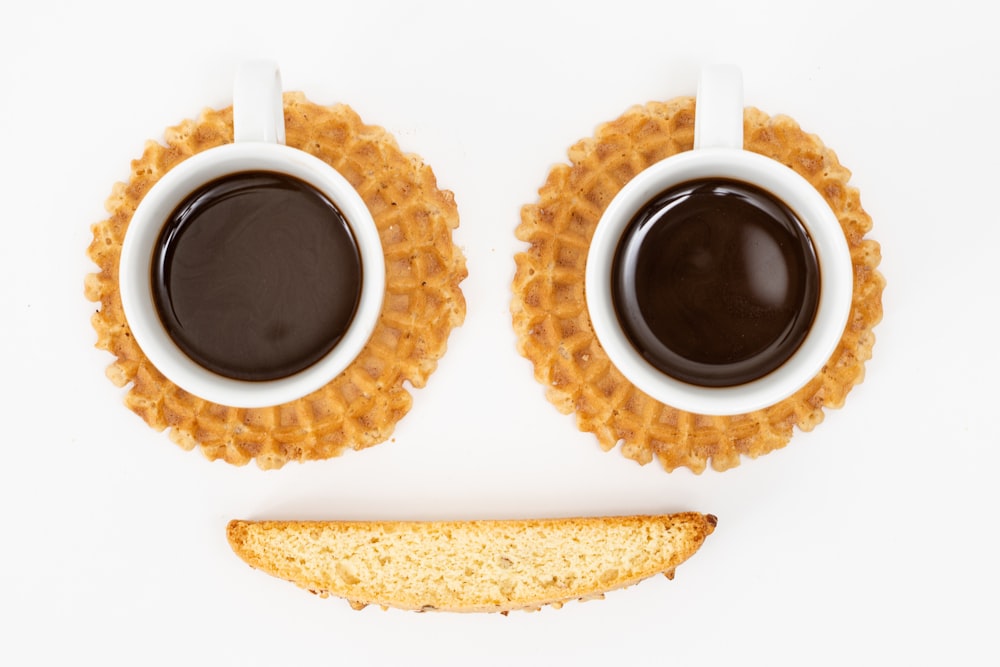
(719, 153)
(259, 130)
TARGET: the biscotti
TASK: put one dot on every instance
(470, 566)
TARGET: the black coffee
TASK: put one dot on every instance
(256, 275)
(715, 282)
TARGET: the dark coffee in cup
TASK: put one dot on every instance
(715, 282)
(256, 275)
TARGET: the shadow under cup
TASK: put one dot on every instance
(715, 282)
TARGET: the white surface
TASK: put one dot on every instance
(867, 541)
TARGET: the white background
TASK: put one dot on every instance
(868, 541)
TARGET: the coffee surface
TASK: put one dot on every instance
(256, 275)
(715, 282)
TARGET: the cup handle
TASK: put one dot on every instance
(258, 112)
(718, 112)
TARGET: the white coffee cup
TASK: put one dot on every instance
(259, 130)
(719, 153)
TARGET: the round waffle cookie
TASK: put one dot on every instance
(423, 301)
(554, 329)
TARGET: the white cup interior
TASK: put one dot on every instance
(144, 230)
(836, 280)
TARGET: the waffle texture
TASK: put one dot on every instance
(553, 327)
(423, 300)
(470, 566)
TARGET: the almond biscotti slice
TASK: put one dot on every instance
(470, 566)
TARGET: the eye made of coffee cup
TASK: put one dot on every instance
(715, 282)
(252, 273)
(256, 275)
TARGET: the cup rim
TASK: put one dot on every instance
(836, 280)
(143, 231)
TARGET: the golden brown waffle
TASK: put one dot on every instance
(470, 566)
(553, 326)
(423, 301)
